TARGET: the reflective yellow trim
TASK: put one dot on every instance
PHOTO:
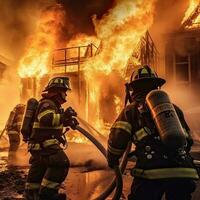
(58, 80)
(123, 125)
(13, 133)
(19, 123)
(34, 147)
(49, 142)
(140, 134)
(32, 186)
(56, 120)
(144, 71)
(115, 151)
(50, 184)
(46, 112)
(37, 125)
(166, 173)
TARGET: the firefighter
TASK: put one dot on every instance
(49, 163)
(13, 128)
(158, 170)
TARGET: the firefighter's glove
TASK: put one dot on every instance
(69, 113)
(112, 160)
(72, 123)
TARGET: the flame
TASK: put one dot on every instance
(120, 32)
(76, 137)
(40, 45)
(83, 40)
(118, 104)
(192, 6)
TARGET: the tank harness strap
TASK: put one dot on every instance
(165, 173)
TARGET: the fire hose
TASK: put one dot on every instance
(113, 184)
(118, 181)
(2, 134)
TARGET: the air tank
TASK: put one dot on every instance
(27, 124)
(166, 119)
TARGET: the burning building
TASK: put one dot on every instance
(97, 65)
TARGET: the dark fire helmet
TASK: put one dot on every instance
(145, 77)
(58, 83)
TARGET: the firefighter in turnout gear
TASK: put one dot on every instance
(13, 128)
(158, 170)
(49, 163)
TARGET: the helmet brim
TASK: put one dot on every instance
(142, 83)
(56, 89)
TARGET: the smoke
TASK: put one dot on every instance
(167, 18)
(10, 93)
(80, 13)
(18, 20)
(20, 17)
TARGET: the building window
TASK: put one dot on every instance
(182, 70)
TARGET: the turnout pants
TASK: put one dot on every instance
(14, 140)
(174, 189)
(45, 176)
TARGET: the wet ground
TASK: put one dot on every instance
(87, 178)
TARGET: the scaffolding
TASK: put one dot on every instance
(190, 22)
(70, 61)
(145, 53)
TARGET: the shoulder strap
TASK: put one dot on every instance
(132, 116)
(145, 117)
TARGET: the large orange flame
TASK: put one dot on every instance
(192, 6)
(40, 45)
(120, 31)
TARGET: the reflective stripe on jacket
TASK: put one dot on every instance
(165, 173)
(47, 124)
